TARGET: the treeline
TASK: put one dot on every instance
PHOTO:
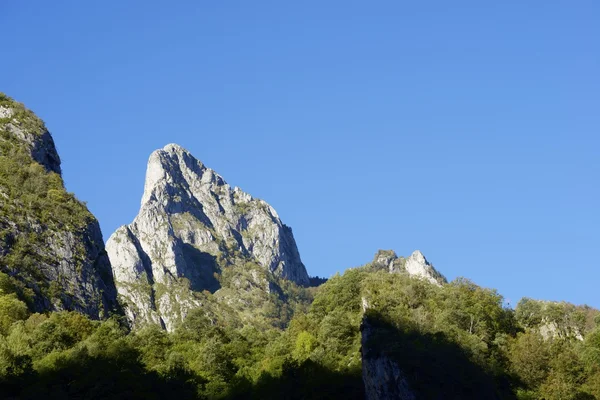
(455, 341)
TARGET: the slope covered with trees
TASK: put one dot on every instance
(394, 328)
(455, 341)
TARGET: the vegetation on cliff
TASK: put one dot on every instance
(51, 249)
(457, 340)
(247, 333)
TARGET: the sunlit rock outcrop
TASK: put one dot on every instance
(190, 226)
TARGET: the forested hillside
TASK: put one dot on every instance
(215, 303)
(456, 341)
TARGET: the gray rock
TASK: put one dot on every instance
(415, 265)
(64, 265)
(82, 270)
(38, 140)
(190, 224)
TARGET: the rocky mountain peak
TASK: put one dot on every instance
(385, 257)
(418, 257)
(190, 225)
(415, 265)
(165, 173)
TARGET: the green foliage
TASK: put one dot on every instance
(305, 344)
(11, 310)
(59, 332)
(259, 337)
(340, 292)
(568, 319)
(35, 194)
(36, 212)
(559, 366)
(21, 117)
(476, 310)
(530, 356)
(434, 364)
(258, 297)
(242, 207)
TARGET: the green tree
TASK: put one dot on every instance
(11, 310)
(530, 357)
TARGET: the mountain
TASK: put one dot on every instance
(51, 248)
(218, 307)
(415, 265)
(192, 227)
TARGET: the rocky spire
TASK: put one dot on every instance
(190, 225)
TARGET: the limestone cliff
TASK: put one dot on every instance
(415, 265)
(190, 227)
(51, 247)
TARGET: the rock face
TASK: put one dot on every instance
(553, 319)
(51, 248)
(415, 265)
(191, 222)
(382, 376)
(32, 134)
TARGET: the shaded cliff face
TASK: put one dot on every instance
(51, 247)
(382, 376)
(190, 227)
(405, 364)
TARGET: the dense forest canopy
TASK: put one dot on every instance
(457, 340)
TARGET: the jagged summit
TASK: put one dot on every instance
(165, 167)
(172, 147)
(189, 219)
(415, 265)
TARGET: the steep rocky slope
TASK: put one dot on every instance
(51, 248)
(191, 227)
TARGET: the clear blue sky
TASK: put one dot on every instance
(470, 131)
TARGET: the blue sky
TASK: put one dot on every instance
(470, 131)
